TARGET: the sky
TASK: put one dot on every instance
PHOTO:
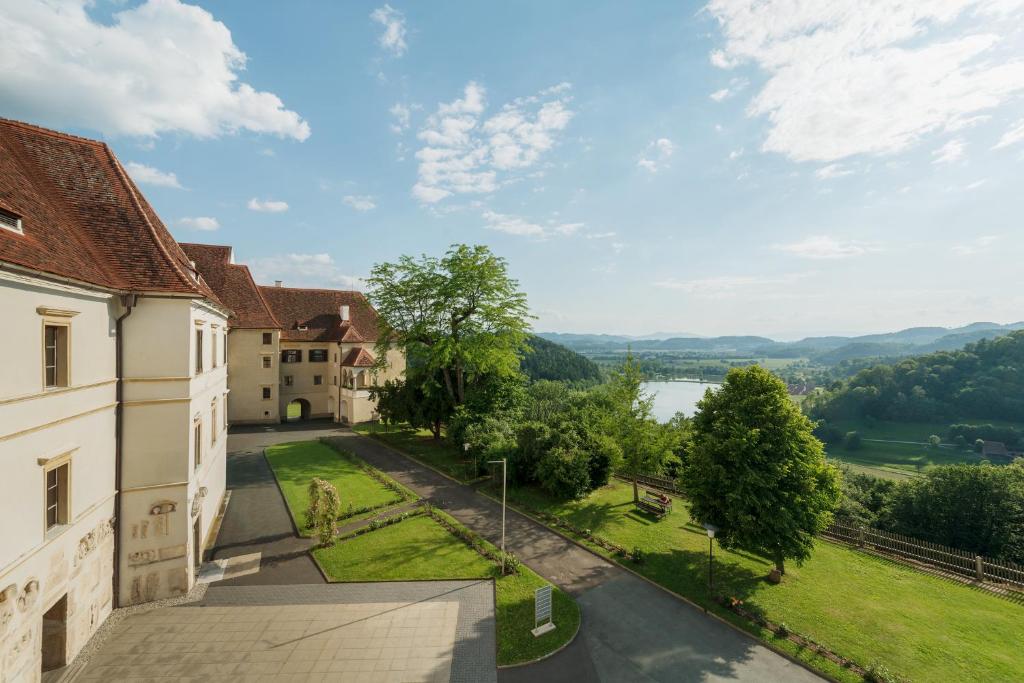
(768, 167)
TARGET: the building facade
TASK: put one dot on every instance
(295, 353)
(112, 400)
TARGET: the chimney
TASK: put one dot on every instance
(277, 283)
(344, 313)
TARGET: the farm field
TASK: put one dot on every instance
(861, 606)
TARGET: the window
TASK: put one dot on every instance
(8, 221)
(318, 355)
(197, 430)
(199, 351)
(268, 362)
(291, 356)
(57, 489)
(318, 380)
(289, 380)
(266, 393)
(335, 358)
(334, 380)
(55, 355)
(213, 422)
(213, 349)
(268, 337)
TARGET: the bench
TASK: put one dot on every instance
(653, 503)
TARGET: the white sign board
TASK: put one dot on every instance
(542, 611)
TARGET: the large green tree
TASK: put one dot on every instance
(460, 315)
(755, 470)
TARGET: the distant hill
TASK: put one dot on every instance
(828, 350)
(548, 360)
(984, 380)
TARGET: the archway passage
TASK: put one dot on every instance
(297, 410)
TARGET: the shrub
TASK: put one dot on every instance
(853, 441)
(828, 434)
(638, 554)
(934, 441)
(564, 473)
(323, 510)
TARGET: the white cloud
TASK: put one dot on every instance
(656, 156)
(147, 175)
(599, 235)
(719, 95)
(949, 152)
(824, 247)
(516, 225)
(719, 287)
(200, 223)
(831, 171)
(847, 77)
(393, 37)
(978, 246)
(1012, 136)
(976, 184)
(359, 202)
(303, 270)
(735, 154)
(267, 205)
(159, 67)
(401, 114)
(463, 153)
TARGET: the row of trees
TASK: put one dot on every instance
(975, 508)
(983, 380)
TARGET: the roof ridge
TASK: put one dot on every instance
(51, 132)
(266, 305)
(123, 176)
(315, 289)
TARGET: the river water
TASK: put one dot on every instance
(679, 396)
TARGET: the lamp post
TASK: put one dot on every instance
(504, 464)
(711, 529)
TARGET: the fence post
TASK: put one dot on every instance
(979, 567)
(860, 536)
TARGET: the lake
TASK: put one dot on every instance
(673, 397)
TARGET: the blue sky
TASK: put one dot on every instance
(770, 168)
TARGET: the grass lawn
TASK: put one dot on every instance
(293, 411)
(421, 445)
(899, 460)
(420, 548)
(860, 606)
(296, 463)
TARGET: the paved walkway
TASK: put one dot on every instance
(631, 631)
(398, 632)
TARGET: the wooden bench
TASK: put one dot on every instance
(653, 503)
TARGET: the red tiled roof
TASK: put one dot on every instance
(319, 311)
(234, 285)
(83, 218)
(358, 358)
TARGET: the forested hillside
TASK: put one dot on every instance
(548, 360)
(983, 380)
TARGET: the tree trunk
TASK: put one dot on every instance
(436, 429)
(780, 564)
(460, 383)
(636, 492)
(448, 385)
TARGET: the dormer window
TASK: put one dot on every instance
(302, 328)
(10, 221)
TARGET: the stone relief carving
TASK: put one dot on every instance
(197, 501)
(161, 510)
(29, 595)
(8, 597)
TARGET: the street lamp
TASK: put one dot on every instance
(711, 529)
(504, 465)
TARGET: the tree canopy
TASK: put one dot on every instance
(460, 315)
(547, 360)
(755, 470)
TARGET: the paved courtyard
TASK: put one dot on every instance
(374, 632)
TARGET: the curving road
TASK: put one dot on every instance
(631, 630)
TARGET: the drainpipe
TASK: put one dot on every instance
(128, 301)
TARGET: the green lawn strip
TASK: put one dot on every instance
(911, 459)
(911, 431)
(858, 605)
(296, 463)
(419, 548)
(420, 445)
(293, 411)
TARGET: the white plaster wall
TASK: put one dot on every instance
(303, 373)
(75, 559)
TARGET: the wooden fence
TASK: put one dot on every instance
(942, 557)
(663, 483)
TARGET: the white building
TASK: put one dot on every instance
(113, 392)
